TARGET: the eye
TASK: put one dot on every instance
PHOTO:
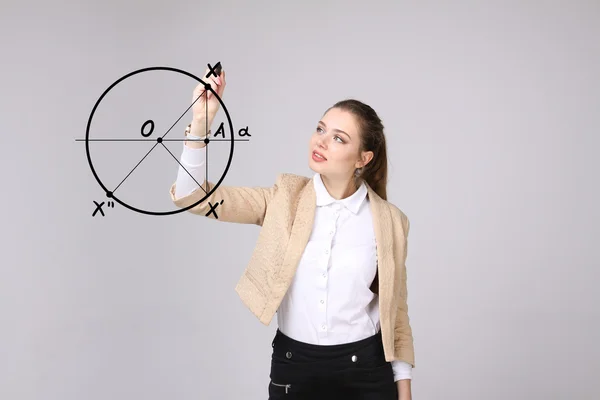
(336, 136)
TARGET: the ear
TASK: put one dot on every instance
(367, 156)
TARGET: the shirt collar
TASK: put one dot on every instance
(352, 202)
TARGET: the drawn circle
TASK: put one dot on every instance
(109, 193)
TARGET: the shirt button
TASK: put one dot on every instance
(322, 301)
(324, 275)
(326, 251)
(331, 232)
(323, 326)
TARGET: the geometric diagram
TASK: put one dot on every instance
(147, 129)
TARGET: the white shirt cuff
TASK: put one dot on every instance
(402, 370)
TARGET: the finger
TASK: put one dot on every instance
(213, 85)
(216, 83)
(211, 76)
(220, 83)
(216, 78)
(221, 89)
(202, 86)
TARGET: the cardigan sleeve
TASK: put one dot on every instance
(403, 331)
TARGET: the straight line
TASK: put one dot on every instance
(184, 168)
(154, 140)
(206, 133)
(135, 167)
(184, 113)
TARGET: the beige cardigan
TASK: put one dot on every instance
(286, 213)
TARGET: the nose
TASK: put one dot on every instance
(320, 142)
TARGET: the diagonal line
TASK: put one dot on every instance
(183, 114)
(135, 167)
(184, 168)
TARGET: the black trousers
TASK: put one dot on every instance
(355, 370)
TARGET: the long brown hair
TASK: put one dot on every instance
(372, 139)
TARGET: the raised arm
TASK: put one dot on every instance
(244, 205)
(239, 204)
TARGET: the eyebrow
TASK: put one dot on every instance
(336, 130)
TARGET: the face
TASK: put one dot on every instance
(337, 139)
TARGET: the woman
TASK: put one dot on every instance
(329, 261)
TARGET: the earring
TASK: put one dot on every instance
(357, 171)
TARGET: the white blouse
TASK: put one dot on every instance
(329, 300)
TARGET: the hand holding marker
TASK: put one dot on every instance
(206, 107)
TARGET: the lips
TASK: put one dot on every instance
(316, 152)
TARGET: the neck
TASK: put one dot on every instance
(339, 188)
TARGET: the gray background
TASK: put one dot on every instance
(492, 122)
